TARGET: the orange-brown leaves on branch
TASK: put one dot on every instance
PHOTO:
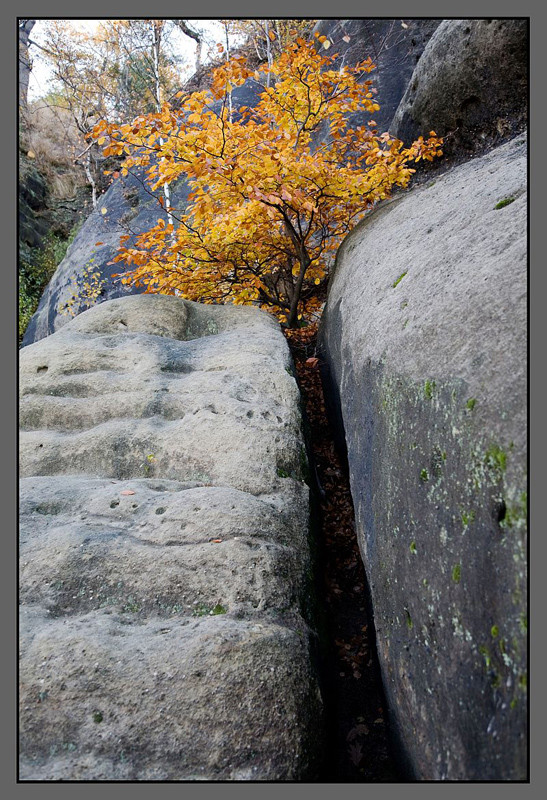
(274, 188)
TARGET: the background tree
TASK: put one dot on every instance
(25, 64)
(273, 191)
(117, 70)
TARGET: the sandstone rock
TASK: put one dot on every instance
(395, 45)
(471, 84)
(166, 622)
(425, 338)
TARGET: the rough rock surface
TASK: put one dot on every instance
(395, 45)
(165, 561)
(471, 82)
(424, 336)
(129, 208)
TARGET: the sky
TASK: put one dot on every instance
(184, 47)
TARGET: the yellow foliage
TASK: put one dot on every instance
(268, 204)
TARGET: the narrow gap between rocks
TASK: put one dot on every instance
(358, 740)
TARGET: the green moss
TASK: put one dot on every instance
(496, 458)
(399, 279)
(282, 473)
(409, 623)
(131, 605)
(457, 573)
(523, 681)
(496, 681)
(424, 475)
(486, 655)
(517, 514)
(471, 403)
(218, 609)
(429, 388)
(97, 716)
(413, 547)
(494, 630)
(524, 623)
(505, 202)
(467, 517)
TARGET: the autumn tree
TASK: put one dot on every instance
(274, 188)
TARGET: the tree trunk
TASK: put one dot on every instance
(292, 320)
(193, 35)
(157, 28)
(25, 66)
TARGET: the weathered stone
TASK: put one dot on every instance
(425, 338)
(165, 564)
(470, 85)
(394, 45)
(129, 206)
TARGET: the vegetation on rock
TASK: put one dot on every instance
(274, 188)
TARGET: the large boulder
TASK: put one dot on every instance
(86, 275)
(470, 85)
(424, 337)
(166, 599)
(395, 45)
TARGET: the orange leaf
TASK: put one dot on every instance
(127, 491)
(271, 34)
(216, 540)
(98, 243)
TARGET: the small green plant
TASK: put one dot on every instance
(424, 475)
(505, 202)
(399, 279)
(148, 464)
(429, 388)
(97, 716)
(457, 573)
(471, 403)
(413, 547)
(495, 631)
(282, 473)
(203, 610)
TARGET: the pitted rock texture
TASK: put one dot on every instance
(166, 604)
(470, 86)
(424, 337)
